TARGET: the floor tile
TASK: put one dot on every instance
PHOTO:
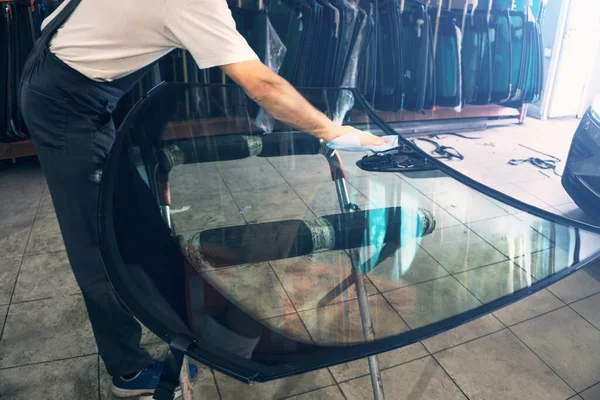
(45, 275)
(517, 193)
(387, 190)
(531, 306)
(468, 205)
(503, 173)
(499, 366)
(459, 249)
(432, 301)
(272, 204)
(328, 393)
(21, 195)
(15, 232)
(572, 210)
(302, 169)
(495, 281)
(322, 196)
(3, 312)
(567, 343)
(46, 207)
(430, 182)
(204, 385)
(45, 237)
(9, 269)
(26, 172)
(244, 282)
(204, 177)
(464, 333)
(550, 192)
(193, 212)
(558, 234)
(408, 266)
(148, 337)
(290, 326)
(421, 379)
(349, 160)
(279, 389)
(46, 330)
(443, 219)
(546, 263)
(511, 236)
(578, 285)
(589, 245)
(340, 323)
(72, 379)
(354, 369)
(592, 393)
(308, 279)
(251, 178)
(249, 162)
(589, 308)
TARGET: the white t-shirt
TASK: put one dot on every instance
(108, 39)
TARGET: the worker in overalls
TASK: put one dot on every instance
(90, 54)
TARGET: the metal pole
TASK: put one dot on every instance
(464, 17)
(437, 27)
(185, 382)
(489, 10)
(165, 212)
(368, 331)
(361, 294)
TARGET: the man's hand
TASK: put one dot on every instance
(285, 104)
(366, 139)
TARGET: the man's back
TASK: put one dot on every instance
(109, 39)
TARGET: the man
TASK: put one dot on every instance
(91, 53)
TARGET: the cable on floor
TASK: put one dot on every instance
(549, 164)
(442, 152)
(437, 135)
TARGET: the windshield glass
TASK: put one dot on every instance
(256, 243)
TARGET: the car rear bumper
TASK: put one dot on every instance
(581, 178)
(585, 198)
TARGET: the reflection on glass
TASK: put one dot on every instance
(254, 239)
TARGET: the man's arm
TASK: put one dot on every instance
(285, 104)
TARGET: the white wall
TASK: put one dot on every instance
(593, 87)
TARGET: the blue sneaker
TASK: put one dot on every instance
(144, 382)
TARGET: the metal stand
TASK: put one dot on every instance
(175, 374)
(185, 381)
(357, 276)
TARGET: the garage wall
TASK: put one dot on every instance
(593, 87)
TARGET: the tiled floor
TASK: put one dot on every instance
(546, 346)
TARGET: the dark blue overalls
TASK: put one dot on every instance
(69, 117)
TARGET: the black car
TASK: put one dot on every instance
(581, 178)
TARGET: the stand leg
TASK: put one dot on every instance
(169, 380)
(185, 382)
(369, 332)
(361, 294)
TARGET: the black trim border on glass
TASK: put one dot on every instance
(250, 371)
